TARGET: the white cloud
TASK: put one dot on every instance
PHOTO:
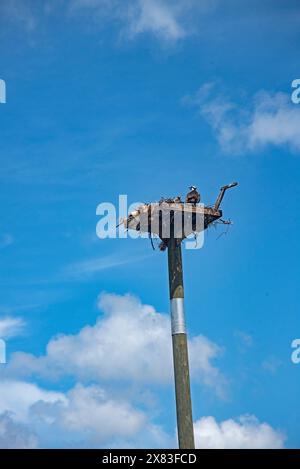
(244, 433)
(265, 119)
(90, 409)
(17, 397)
(10, 327)
(157, 17)
(88, 415)
(131, 341)
(275, 121)
(91, 417)
(14, 435)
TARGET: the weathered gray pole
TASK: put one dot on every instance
(180, 350)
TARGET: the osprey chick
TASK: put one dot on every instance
(192, 197)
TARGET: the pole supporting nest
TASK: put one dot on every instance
(180, 348)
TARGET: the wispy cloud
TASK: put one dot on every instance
(265, 119)
(156, 17)
(87, 268)
(11, 327)
(167, 20)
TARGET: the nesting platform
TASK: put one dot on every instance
(182, 218)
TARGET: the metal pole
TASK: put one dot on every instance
(180, 350)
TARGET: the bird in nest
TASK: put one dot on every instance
(193, 196)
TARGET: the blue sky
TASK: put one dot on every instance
(145, 98)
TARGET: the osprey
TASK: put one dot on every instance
(192, 197)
